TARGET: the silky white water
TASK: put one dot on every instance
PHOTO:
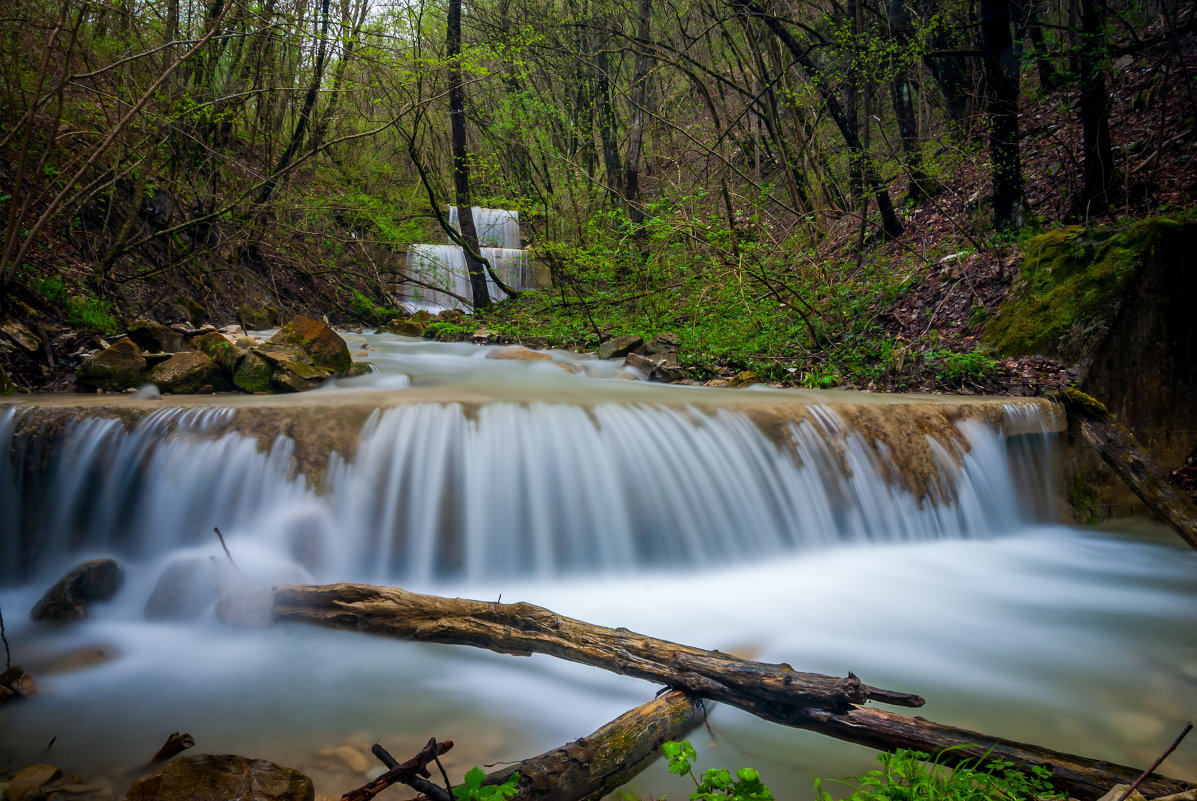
(643, 508)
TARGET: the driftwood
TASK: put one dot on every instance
(774, 692)
(1118, 449)
(417, 766)
(824, 704)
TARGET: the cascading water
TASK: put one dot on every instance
(721, 519)
(443, 267)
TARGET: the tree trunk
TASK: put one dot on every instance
(824, 704)
(631, 181)
(802, 55)
(1117, 448)
(461, 164)
(1101, 179)
(902, 94)
(593, 766)
(608, 123)
(1002, 84)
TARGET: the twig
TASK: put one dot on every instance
(226, 548)
(1143, 776)
(4, 637)
(413, 772)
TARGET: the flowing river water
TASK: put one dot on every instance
(809, 535)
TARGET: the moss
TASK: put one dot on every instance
(1072, 284)
(253, 374)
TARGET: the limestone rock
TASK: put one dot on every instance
(222, 777)
(19, 333)
(187, 372)
(83, 585)
(481, 335)
(619, 347)
(28, 784)
(520, 354)
(404, 328)
(253, 373)
(116, 369)
(185, 589)
(220, 348)
(154, 337)
(323, 346)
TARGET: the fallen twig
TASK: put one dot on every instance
(1167, 751)
(417, 766)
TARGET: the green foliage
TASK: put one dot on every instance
(913, 776)
(715, 784)
(92, 314)
(473, 789)
(448, 331)
(368, 311)
(956, 368)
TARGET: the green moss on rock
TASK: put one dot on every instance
(1071, 287)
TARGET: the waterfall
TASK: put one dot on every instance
(444, 266)
(439, 490)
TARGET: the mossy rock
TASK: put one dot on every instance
(1072, 284)
(217, 347)
(188, 372)
(257, 317)
(253, 374)
(403, 328)
(120, 367)
(322, 346)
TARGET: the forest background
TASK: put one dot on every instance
(818, 192)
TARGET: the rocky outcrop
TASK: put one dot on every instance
(222, 777)
(72, 596)
(115, 369)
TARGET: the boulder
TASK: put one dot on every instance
(154, 337)
(745, 378)
(292, 372)
(220, 348)
(187, 372)
(663, 346)
(618, 347)
(20, 334)
(253, 373)
(421, 316)
(520, 354)
(70, 598)
(186, 588)
(659, 369)
(481, 335)
(120, 367)
(451, 315)
(323, 346)
(196, 313)
(222, 777)
(28, 784)
(404, 328)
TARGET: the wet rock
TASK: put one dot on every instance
(83, 585)
(154, 337)
(360, 369)
(344, 757)
(28, 784)
(116, 369)
(222, 777)
(619, 347)
(186, 373)
(403, 328)
(220, 348)
(520, 354)
(657, 369)
(233, 332)
(292, 372)
(20, 334)
(80, 659)
(196, 313)
(186, 588)
(481, 335)
(253, 373)
(16, 684)
(323, 346)
(744, 379)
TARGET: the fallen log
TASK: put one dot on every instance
(775, 692)
(1118, 449)
(823, 704)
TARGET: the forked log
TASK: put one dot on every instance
(593, 766)
(774, 692)
(823, 704)
(1118, 449)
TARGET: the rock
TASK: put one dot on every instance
(360, 369)
(257, 318)
(253, 373)
(663, 346)
(323, 346)
(16, 684)
(619, 347)
(291, 372)
(186, 588)
(247, 609)
(116, 369)
(28, 783)
(451, 315)
(481, 335)
(744, 379)
(154, 337)
(80, 659)
(421, 316)
(641, 364)
(220, 348)
(196, 313)
(222, 777)
(20, 334)
(519, 353)
(404, 328)
(233, 332)
(658, 369)
(186, 373)
(344, 756)
(83, 585)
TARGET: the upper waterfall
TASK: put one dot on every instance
(441, 269)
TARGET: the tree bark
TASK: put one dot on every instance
(1001, 95)
(824, 704)
(1117, 448)
(902, 94)
(461, 163)
(593, 766)
(1101, 179)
